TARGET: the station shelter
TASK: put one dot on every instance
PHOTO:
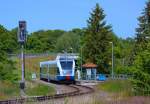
(89, 71)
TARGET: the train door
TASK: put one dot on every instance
(53, 71)
(43, 71)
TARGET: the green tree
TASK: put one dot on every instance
(6, 66)
(143, 31)
(9, 40)
(140, 57)
(13, 45)
(2, 46)
(43, 41)
(68, 42)
(122, 50)
(141, 72)
(96, 40)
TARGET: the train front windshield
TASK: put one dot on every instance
(66, 65)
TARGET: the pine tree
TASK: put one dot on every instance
(143, 31)
(96, 40)
(140, 58)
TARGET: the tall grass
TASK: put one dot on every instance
(8, 90)
(116, 86)
(32, 65)
(37, 89)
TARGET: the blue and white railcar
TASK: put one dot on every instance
(61, 69)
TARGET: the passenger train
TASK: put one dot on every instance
(61, 70)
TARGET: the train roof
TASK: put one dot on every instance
(66, 59)
(67, 56)
(48, 62)
(60, 57)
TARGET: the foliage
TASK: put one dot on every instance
(142, 70)
(131, 56)
(143, 31)
(96, 40)
(7, 71)
(68, 42)
(35, 89)
(8, 40)
(43, 41)
(116, 86)
(8, 90)
(141, 53)
(122, 51)
(6, 66)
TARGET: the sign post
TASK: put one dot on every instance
(22, 39)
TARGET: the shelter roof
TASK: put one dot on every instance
(89, 65)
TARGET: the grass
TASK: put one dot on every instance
(37, 89)
(116, 86)
(32, 65)
(10, 90)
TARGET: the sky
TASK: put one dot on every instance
(68, 14)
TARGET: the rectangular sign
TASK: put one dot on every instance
(22, 32)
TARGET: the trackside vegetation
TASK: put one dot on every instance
(9, 90)
(131, 55)
(116, 86)
(38, 89)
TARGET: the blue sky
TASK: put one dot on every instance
(68, 14)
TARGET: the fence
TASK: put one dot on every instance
(32, 55)
(42, 54)
(105, 76)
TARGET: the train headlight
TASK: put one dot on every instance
(67, 72)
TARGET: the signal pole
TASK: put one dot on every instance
(23, 63)
(112, 72)
(22, 39)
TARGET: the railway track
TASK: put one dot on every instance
(79, 90)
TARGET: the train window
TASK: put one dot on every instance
(58, 71)
(66, 65)
(52, 69)
(44, 69)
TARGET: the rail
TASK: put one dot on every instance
(77, 92)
